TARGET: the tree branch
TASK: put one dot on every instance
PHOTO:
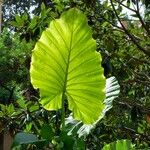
(146, 137)
(125, 6)
(127, 32)
(132, 103)
(140, 19)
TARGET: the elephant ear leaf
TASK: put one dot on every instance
(65, 64)
(119, 145)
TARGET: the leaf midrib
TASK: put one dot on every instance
(68, 61)
(69, 54)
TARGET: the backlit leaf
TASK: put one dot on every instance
(65, 64)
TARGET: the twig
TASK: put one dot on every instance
(126, 6)
(146, 137)
(127, 32)
(140, 18)
(126, 102)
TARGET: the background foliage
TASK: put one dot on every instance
(123, 39)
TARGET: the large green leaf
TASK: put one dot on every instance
(65, 64)
(112, 92)
(23, 138)
(119, 145)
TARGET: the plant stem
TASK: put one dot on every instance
(63, 113)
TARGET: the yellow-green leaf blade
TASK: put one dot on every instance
(65, 61)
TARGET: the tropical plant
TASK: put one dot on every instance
(123, 41)
(58, 69)
(118, 145)
(112, 91)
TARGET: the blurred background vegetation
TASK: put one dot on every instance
(122, 31)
